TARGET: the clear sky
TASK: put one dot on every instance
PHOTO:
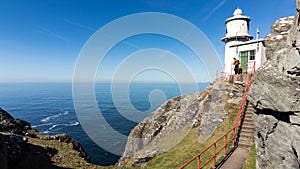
(40, 40)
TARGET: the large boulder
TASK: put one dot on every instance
(275, 93)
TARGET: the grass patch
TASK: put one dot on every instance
(251, 159)
(190, 145)
(70, 158)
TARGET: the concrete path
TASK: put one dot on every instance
(237, 159)
(246, 139)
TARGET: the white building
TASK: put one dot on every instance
(239, 45)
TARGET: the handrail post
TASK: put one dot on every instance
(199, 162)
(215, 154)
(233, 140)
(225, 144)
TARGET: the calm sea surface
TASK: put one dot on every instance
(49, 108)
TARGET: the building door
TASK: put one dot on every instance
(244, 61)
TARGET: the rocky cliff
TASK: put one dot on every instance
(169, 124)
(21, 147)
(275, 93)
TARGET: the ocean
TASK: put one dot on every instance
(49, 108)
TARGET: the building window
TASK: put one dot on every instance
(252, 54)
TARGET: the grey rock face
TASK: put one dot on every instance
(75, 144)
(168, 119)
(280, 30)
(14, 145)
(275, 92)
(169, 124)
(12, 125)
(3, 153)
(277, 140)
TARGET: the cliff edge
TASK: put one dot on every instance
(22, 147)
(170, 123)
(275, 93)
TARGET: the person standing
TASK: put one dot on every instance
(236, 66)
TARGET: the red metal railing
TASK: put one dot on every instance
(215, 150)
(245, 67)
(244, 101)
(234, 131)
(221, 75)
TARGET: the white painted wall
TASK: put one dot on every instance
(238, 34)
(260, 57)
(230, 53)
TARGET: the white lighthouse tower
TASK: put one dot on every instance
(239, 44)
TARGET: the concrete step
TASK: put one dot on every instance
(246, 140)
(247, 136)
(251, 109)
(248, 127)
(249, 114)
(248, 118)
(251, 131)
(245, 145)
(250, 105)
(247, 122)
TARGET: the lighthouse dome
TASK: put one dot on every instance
(237, 12)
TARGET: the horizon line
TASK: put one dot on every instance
(119, 82)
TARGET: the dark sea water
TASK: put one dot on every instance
(49, 108)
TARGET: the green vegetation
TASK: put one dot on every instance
(59, 154)
(70, 158)
(251, 160)
(192, 145)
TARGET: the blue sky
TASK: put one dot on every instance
(41, 40)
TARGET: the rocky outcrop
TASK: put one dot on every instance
(3, 153)
(12, 125)
(275, 93)
(21, 147)
(169, 124)
(76, 146)
(280, 30)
